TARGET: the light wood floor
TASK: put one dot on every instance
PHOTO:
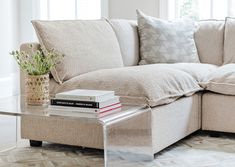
(198, 150)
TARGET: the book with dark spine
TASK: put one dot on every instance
(84, 104)
(86, 110)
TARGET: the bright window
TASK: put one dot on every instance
(70, 9)
(200, 9)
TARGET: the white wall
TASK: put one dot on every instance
(8, 34)
(126, 9)
(9, 41)
(27, 11)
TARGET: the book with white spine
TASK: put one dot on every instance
(86, 95)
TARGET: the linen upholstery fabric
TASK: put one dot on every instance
(166, 41)
(218, 112)
(62, 130)
(209, 39)
(229, 40)
(148, 85)
(222, 80)
(30, 48)
(196, 70)
(127, 35)
(175, 121)
(53, 85)
(86, 45)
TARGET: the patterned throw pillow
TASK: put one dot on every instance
(164, 41)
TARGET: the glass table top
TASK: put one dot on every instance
(16, 106)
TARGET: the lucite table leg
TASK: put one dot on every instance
(128, 141)
(7, 132)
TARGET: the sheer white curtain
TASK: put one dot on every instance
(197, 9)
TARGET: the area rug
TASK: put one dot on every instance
(197, 150)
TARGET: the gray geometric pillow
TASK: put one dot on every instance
(164, 41)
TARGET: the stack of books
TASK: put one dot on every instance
(85, 103)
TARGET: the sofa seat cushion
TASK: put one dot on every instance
(222, 80)
(198, 71)
(86, 45)
(148, 85)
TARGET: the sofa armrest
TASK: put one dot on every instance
(25, 47)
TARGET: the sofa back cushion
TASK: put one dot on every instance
(86, 45)
(229, 41)
(127, 35)
(209, 40)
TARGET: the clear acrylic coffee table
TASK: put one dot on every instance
(127, 135)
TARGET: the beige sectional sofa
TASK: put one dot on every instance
(172, 119)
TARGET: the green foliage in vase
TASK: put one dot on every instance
(189, 9)
(36, 63)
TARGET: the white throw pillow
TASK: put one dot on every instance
(164, 41)
(86, 45)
